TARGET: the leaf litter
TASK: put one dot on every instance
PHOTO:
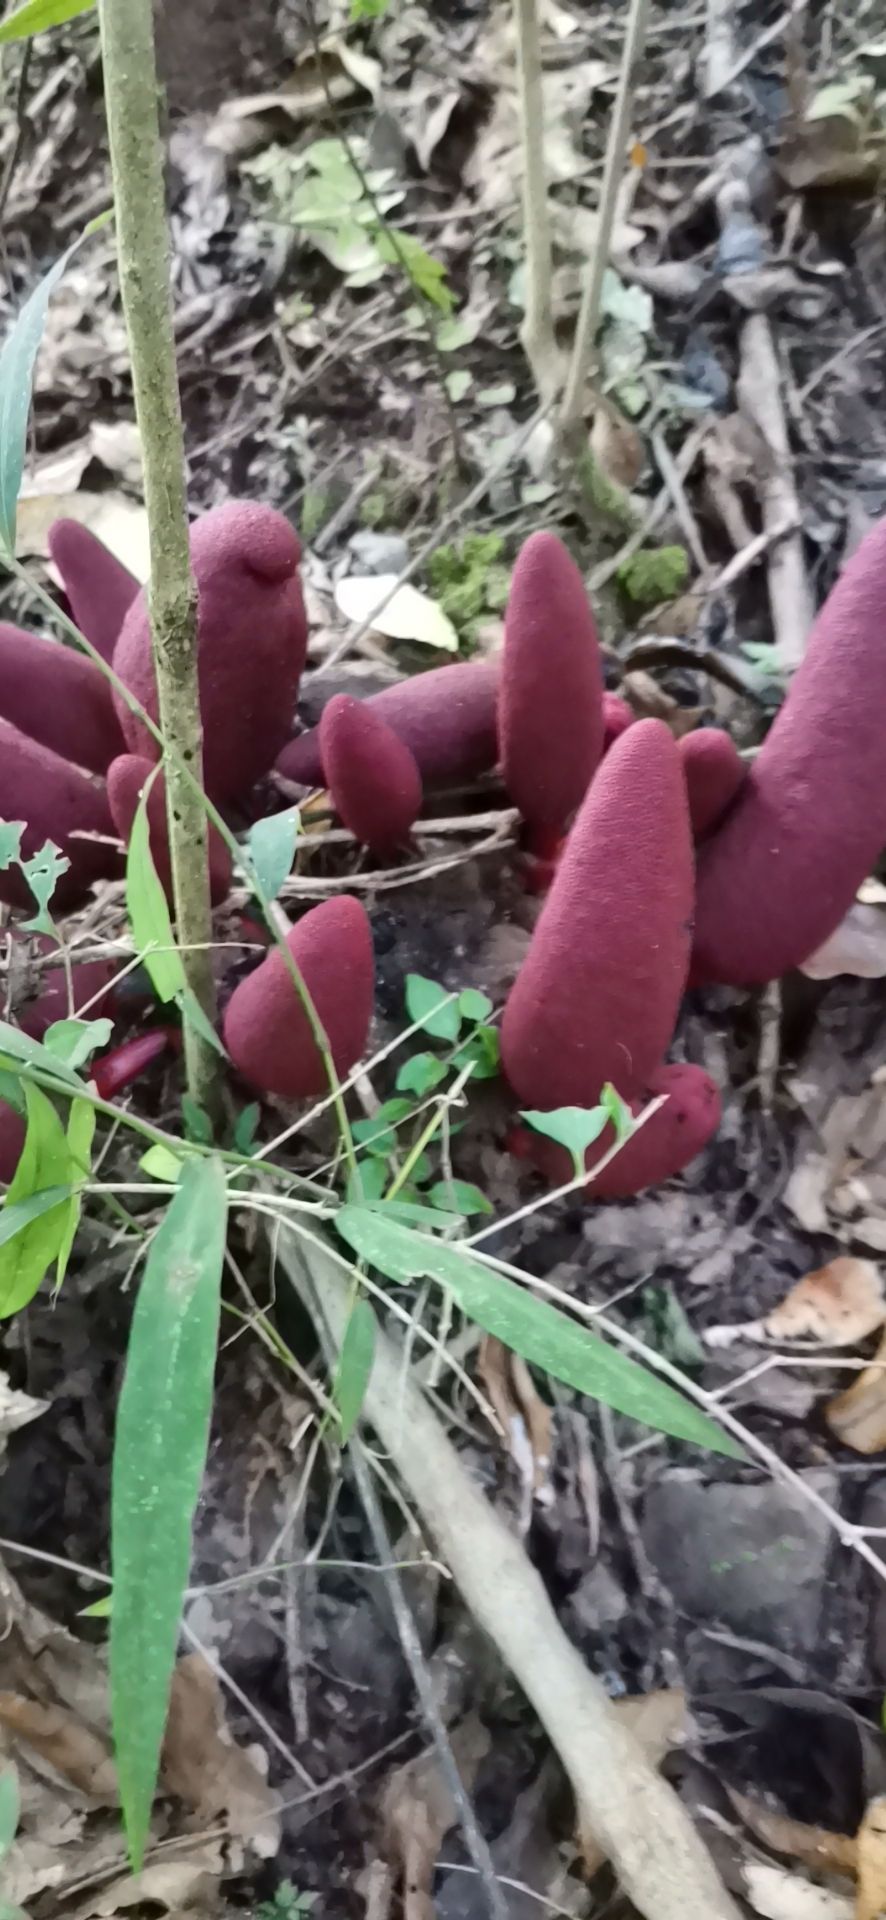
(791, 1198)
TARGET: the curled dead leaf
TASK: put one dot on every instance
(871, 1865)
(203, 1767)
(836, 1306)
(857, 946)
(858, 1416)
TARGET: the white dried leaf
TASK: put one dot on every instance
(408, 615)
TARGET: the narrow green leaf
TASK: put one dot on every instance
(74, 1041)
(354, 1366)
(9, 1808)
(36, 15)
(575, 1128)
(162, 1164)
(18, 1046)
(27, 1251)
(245, 1128)
(81, 1130)
(425, 1002)
(619, 1112)
(459, 1196)
(198, 1126)
(420, 1074)
(17, 360)
(272, 844)
(148, 911)
(99, 1610)
(160, 1446)
(192, 1013)
(531, 1327)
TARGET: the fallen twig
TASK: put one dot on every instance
(621, 1802)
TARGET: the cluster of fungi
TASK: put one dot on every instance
(668, 864)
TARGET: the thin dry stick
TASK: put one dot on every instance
(131, 95)
(589, 315)
(537, 331)
(621, 1802)
(759, 394)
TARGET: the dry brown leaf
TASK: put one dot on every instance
(870, 1898)
(858, 1416)
(63, 1742)
(418, 1810)
(331, 72)
(202, 1766)
(616, 445)
(814, 1847)
(525, 1418)
(836, 1306)
(187, 1884)
(857, 946)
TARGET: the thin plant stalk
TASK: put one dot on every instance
(537, 331)
(582, 361)
(131, 96)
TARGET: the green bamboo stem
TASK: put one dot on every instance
(131, 94)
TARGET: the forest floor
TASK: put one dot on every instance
(747, 299)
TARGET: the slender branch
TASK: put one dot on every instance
(621, 1802)
(537, 332)
(589, 315)
(131, 93)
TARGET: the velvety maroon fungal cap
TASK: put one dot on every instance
(550, 714)
(252, 638)
(12, 1139)
(617, 717)
(715, 773)
(57, 697)
(57, 802)
(126, 780)
(447, 719)
(810, 822)
(372, 777)
(661, 1148)
(596, 998)
(50, 1003)
(266, 1030)
(100, 590)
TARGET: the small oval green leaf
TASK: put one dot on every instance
(272, 844)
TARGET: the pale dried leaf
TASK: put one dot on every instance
(815, 1847)
(777, 1893)
(185, 1884)
(836, 1306)
(418, 1810)
(16, 1408)
(409, 614)
(119, 522)
(202, 1766)
(616, 446)
(857, 946)
(870, 1898)
(858, 1416)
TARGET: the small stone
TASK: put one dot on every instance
(753, 1558)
